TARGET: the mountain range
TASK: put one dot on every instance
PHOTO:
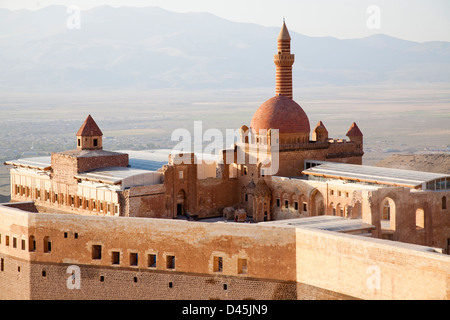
(142, 48)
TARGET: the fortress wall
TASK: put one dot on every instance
(282, 262)
(269, 250)
(370, 268)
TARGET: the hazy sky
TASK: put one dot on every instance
(417, 20)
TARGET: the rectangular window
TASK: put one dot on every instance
(14, 242)
(218, 264)
(133, 259)
(79, 142)
(170, 262)
(152, 260)
(296, 205)
(278, 203)
(7, 240)
(286, 204)
(246, 197)
(95, 142)
(305, 206)
(23, 244)
(96, 252)
(115, 257)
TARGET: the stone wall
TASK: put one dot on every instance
(116, 255)
(371, 268)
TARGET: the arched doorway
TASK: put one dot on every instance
(181, 203)
(387, 214)
(317, 204)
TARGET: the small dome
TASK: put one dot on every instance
(280, 113)
(320, 128)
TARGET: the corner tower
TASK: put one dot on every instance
(283, 61)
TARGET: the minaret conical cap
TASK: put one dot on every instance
(284, 33)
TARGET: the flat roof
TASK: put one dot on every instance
(378, 175)
(41, 163)
(329, 223)
(147, 159)
(113, 175)
(155, 159)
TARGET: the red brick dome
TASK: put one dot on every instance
(281, 113)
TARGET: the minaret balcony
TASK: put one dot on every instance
(284, 59)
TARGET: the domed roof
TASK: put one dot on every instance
(321, 128)
(280, 113)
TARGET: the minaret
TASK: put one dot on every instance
(284, 61)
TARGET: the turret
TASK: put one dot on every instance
(89, 136)
(355, 135)
(320, 133)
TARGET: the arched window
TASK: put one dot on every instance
(333, 208)
(31, 244)
(47, 244)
